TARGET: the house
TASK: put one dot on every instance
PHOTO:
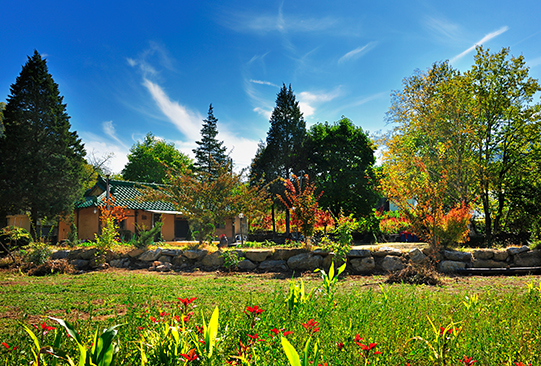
(140, 214)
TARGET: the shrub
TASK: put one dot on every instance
(13, 236)
(39, 254)
(415, 275)
(231, 259)
(60, 266)
(146, 237)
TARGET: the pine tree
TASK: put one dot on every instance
(42, 160)
(283, 154)
(210, 155)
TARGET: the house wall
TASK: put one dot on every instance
(63, 230)
(22, 221)
(87, 223)
(168, 228)
(227, 230)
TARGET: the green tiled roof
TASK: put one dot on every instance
(125, 193)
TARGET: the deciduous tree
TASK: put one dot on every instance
(148, 161)
(341, 159)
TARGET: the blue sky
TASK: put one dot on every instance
(126, 68)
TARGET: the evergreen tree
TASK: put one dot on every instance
(42, 160)
(283, 154)
(210, 154)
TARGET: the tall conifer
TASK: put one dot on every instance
(42, 160)
(210, 154)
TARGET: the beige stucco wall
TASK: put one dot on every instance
(87, 223)
(168, 228)
(19, 221)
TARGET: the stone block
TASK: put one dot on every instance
(416, 256)
(286, 253)
(501, 255)
(527, 259)
(450, 266)
(362, 265)
(392, 263)
(305, 261)
(195, 254)
(88, 254)
(247, 265)
(457, 256)
(80, 263)
(272, 265)
(213, 260)
(60, 254)
(517, 250)
(150, 255)
(359, 253)
(483, 254)
(488, 263)
(258, 255)
(386, 251)
(135, 252)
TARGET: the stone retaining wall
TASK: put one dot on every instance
(360, 261)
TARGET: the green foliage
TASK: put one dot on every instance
(109, 235)
(148, 162)
(210, 154)
(231, 259)
(293, 356)
(42, 160)
(330, 280)
(341, 158)
(14, 236)
(39, 253)
(297, 295)
(145, 237)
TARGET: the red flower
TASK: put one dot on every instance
(449, 331)
(340, 345)
(153, 319)
(256, 338)
(366, 349)
(44, 328)
(276, 331)
(357, 338)
(186, 301)
(190, 356)
(467, 361)
(164, 314)
(7, 347)
(311, 326)
(253, 309)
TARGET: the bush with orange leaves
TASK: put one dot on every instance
(110, 215)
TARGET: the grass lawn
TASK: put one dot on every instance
(495, 320)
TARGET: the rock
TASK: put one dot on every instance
(416, 256)
(195, 254)
(500, 255)
(457, 256)
(272, 265)
(165, 259)
(483, 254)
(286, 253)
(80, 263)
(321, 252)
(258, 255)
(392, 263)
(165, 267)
(171, 252)
(120, 263)
(517, 250)
(135, 252)
(246, 265)
(361, 265)
(150, 255)
(213, 260)
(488, 263)
(358, 253)
(305, 261)
(88, 254)
(450, 266)
(180, 260)
(385, 251)
(527, 259)
(60, 254)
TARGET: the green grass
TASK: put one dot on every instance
(501, 327)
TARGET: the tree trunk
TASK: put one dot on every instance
(288, 218)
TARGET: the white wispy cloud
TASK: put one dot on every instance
(535, 62)
(185, 120)
(103, 146)
(443, 27)
(261, 82)
(480, 42)
(309, 100)
(356, 53)
(154, 54)
(109, 129)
